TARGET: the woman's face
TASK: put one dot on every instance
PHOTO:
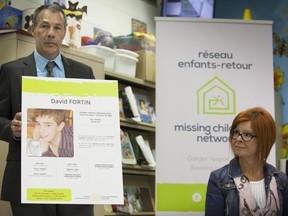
(241, 148)
(46, 128)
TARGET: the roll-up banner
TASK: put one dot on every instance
(208, 70)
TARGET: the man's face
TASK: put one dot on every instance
(49, 33)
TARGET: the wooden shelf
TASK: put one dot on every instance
(128, 80)
(138, 125)
(138, 170)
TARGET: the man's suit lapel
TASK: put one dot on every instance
(69, 70)
(29, 66)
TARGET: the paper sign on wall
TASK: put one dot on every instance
(207, 72)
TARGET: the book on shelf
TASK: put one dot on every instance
(154, 153)
(130, 112)
(152, 113)
(144, 108)
(128, 156)
(125, 105)
(146, 150)
(122, 208)
(147, 201)
(136, 199)
(138, 153)
(136, 106)
(121, 111)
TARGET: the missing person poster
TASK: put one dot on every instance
(71, 151)
(207, 72)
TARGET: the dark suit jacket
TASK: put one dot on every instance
(10, 103)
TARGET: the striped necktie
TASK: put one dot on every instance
(49, 67)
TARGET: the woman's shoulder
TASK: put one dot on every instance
(272, 170)
(222, 179)
(221, 169)
(221, 173)
(228, 171)
(281, 177)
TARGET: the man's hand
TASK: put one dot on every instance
(16, 125)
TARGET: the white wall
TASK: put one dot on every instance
(110, 15)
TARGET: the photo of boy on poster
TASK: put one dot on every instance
(50, 133)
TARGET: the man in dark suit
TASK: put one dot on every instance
(49, 28)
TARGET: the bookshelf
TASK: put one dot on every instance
(137, 175)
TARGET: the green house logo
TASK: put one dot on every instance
(216, 97)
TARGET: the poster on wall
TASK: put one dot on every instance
(207, 72)
(71, 151)
(74, 14)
